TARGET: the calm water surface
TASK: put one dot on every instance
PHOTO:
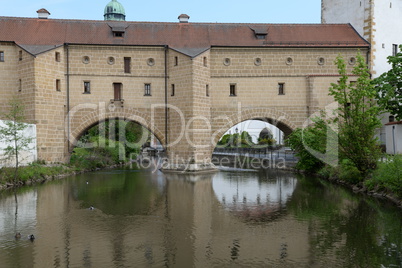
(226, 219)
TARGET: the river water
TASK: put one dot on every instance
(227, 219)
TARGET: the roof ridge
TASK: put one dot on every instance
(177, 23)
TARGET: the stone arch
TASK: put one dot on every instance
(85, 120)
(274, 117)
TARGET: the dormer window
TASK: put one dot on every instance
(118, 30)
(118, 34)
(260, 33)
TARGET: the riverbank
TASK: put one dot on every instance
(40, 173)
(245, 162)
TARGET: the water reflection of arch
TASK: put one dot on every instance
(253, 197)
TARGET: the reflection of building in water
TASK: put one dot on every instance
(189, 226)
(20, 216)
(252, 198)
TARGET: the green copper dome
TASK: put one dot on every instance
(115, 11)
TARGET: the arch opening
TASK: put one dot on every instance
(255, 133)
(114, 140)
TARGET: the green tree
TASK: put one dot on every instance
(303, 140)
(389, 87)
(357, 116)
(14, 134)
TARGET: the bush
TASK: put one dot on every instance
(388, 176)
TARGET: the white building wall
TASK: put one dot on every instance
(344, 11)
(387, 31)
(394, 138)
(386, 25)
(379, 22)
(25, 157)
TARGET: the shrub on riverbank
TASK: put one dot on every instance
(388, 176)
(34, 171)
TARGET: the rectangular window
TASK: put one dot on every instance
(117, 91)
(394, 49)
(176, 61)
(147, 89)
(127, 65)
(281, 88)
(1, 56)
(20, 85)
(20, 55)
(207, 90)
(232, 89)
(173, 88)
(87, 87)
(118, 34)
(57, 56)
(58, 85)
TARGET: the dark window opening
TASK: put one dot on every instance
(87, 87)
(20, 55)
(118, 34)
(57, 56)
(176, 61)
(394, 49)
(147, 90)
(232, 89)
(127, 65)
(173, 88)
(117, 91)
(207, 90)
(281, 89)
(58, 85)
(1, 56)
(20, 85)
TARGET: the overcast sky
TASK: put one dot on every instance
(257, 11)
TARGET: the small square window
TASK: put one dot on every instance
(147, 89)
(281, 88)
(173, 89)
(58, 85)
(232, 90)
(87, 87)
(1, 56)
(57, 56)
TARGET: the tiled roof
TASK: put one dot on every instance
(185, 37)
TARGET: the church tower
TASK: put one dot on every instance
(115, 11)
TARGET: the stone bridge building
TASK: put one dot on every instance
(186, 82)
